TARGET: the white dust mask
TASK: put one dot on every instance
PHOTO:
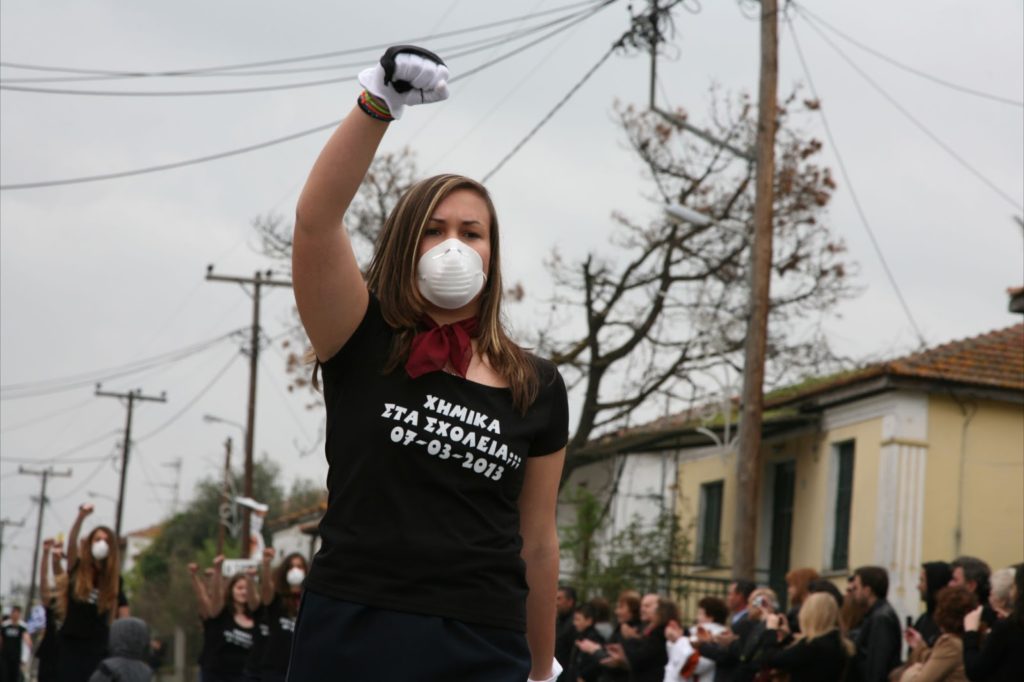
(295, 576)
(100, 549)
(450, 275)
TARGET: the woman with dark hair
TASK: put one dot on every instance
(1001, 657)
(944, 661)
(445, 438)
(934, 576)
(798, 583)
(229, 629)
(92, 599)
(280, 593)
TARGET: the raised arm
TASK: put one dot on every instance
(44, 572)
(266, 577)
(537, 503)
(57, 554)
(329, 289)
(203, 604)
(217, 583)
(83, 511)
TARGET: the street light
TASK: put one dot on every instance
(214, 419)
(683, 214)
(93, 494)
(226, 506)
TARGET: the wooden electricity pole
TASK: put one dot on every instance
(131, 397)
(748, 461)
(259, 280)
(45, 474)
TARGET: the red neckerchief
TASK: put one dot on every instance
(434, 348)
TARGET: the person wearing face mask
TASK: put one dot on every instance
(279, 596)
(93, 598)
(445, 439)
(229, 629)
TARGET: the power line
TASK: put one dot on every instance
(85, 482)
(450, 52)
(849, 183)
(49, 415)
(47, 386)
(291, 60)
(554, 110)
(910, 69)
(190, 403)
(918, 124)
(260, 145)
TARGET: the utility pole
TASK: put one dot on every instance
(132, 397)
(176, 465)
(680, 121)
(258, 281)
(226, 493)
(45, 475)
(3, 524)
(748, 460)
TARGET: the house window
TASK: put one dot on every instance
(844, 499)
(710, 523)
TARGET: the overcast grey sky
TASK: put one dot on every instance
(101, 274)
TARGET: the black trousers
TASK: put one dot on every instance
(341, 641)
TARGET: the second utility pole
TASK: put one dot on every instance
(132, 396)
(260, 279)
(45, 475)
(748, 458)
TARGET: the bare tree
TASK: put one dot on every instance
(657, 320)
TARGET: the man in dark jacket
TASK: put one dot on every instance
(129, 652)
(725, 650)
(878, 641)
(974, 574)
(565, 631)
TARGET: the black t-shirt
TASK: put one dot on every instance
(83, 619)
(226, 644)
(278, 644)
(13, 637)
(423, 484)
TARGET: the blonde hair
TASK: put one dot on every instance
(391, 276)
(819, 616)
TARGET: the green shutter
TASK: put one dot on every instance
(844, 500)
(711, 529)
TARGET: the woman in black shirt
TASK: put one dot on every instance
(445, 439)
(228, 628)
(280, 591)
(93, 598)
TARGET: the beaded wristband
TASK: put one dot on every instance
(374, 108)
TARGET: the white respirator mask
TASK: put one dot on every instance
(100, 549)
(295, 576)
(450, 275)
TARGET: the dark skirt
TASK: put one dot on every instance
(339, 641)
(79, 658)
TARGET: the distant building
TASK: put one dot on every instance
(298, 531)
(135, 543)
(917, 459)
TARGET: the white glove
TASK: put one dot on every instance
(406, 75)
(556, 670)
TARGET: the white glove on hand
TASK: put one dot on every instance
(406, 75)
(556, 670)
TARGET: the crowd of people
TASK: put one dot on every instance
(84, 631)
(971, 629)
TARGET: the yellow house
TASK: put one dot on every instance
(913, 460)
